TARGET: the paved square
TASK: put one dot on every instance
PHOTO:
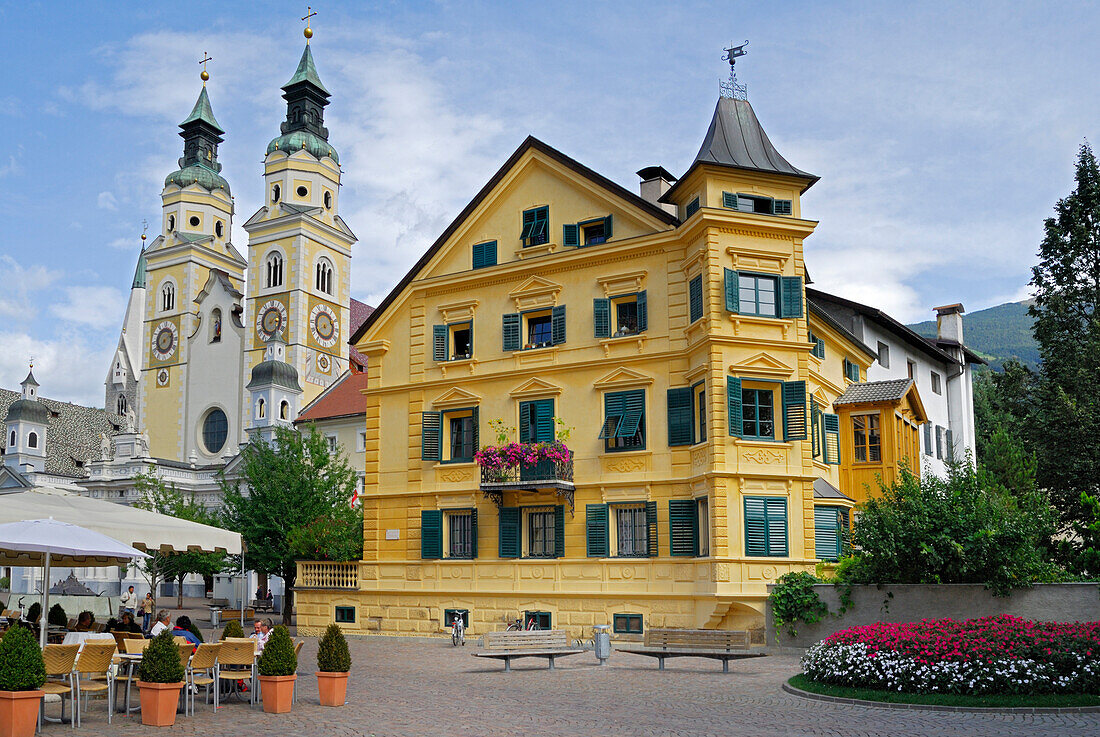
(411, 688)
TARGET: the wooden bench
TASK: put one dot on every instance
(506, 646)
(724, 645)
(263, 605)
(228, 614)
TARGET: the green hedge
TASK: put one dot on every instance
(21, 665)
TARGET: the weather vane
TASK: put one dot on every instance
(308, 32)
(730, 88)
(205, 74)
(144, 230)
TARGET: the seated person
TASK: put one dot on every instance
(261, 631)
(163, 619)
(127, 624)
(183, 629)
(84, 622)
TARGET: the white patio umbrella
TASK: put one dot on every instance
(46, 542)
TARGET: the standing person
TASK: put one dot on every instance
(148, 605)
(128, 601)
(163, 618)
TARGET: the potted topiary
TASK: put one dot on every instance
(57, 616)
(232, 629)
(22, 673)
(34, 612)
(160, 679)
(333, 664)
(277, 666)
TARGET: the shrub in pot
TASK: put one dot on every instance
(277, 667)
(34, 612)
(333, 664)
(57, 616)
(232, 629)
(160, 679)
(22, 673)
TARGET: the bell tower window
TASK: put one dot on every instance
(171, 223)
(261, 408)
(219, 229)
(276, 192)
(11, 439)
(32, 440)
(168, 297)
(274, 270)
(328, 200)
(284, 410)
(121, 405)
(324, 276)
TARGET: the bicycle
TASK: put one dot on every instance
(518, 626)
(458, 631)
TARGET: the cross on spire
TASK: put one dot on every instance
(308, 32)
(205, 74)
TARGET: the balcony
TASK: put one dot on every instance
(323, 575)
(556, 476)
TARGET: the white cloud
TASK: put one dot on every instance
(99, 308)
(18, 283)
(68, 367)
(12, 166)
(107, 201)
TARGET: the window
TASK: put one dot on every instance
(450, 614)
(485, 254)
(695, 298)
(194, 221)
(627, 624)
(687, 415)
(452, 530)
(284, 410)
(455, 430)
(756, 295)
(700, 395)
(541, 327)
(121, 405)
(936, 389)
(756, 203)
(692, 208)
(764, 295)
(462, 438)
(751, 409)
(536, 227)
(594, 232)
(532, 532)
(883, 355)
(540, 533)
(851, 370)
(32, 440)
(867, 438)
(460, 533)
(215, 429)
(168, 297)
(452, 342)
(333, 443)
(818, 346)
(261, 408)
(216, 325)
(328, 200)
(345, 615)
(686, 522)
(765, 526)
(11, 439)
(274, 270)
(536, 421)
(276, 193)
(361, 442)
(171, 223)
(757, 414)
(624, 315)
(324, 276)
(831, 532)
(537, 620)
(621, 530)
(302, 191)
(538, 331)
(631, 531)
(219, 229)
(702, 515)
(624, 420)
(911, 368)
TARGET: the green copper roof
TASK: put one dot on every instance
(296, 140)
(139, 272)
(206, 178)
(307, 72)
(203, 112)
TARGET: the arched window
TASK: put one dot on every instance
(324, 276)
(276, 192)
(284, 410)
(216, 325)
(274, 270)
(121, 405)
(168, 297)
(215, 429)
(261, 408)
(11, 440)
(32, 440)
(171, 223)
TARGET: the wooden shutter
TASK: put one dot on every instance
(601, 317)
(733, 302)
(475, 422)
(832, 439)
(510, 330)
(607, 228)
(928, 438)
(543, 411)
(570, 234)
(756, 527)
(473, 532)
(595, 523)
(614, 406)
(559, 531)
(431, 533)
(431, 436)
(790, 296)
(681, 420)
(643, 312)
(652, 549)
(557, 325)
(939, 442)
(782, 207)
(683, 528)
(815, 428)
(633, 414)
(777, 526)
(509, 532)
(692, 208)
(794, 410)
(819, 348)
(525, 410)
(729, 199)
(485, 254)
(439, 342)
(826, 533)
(950, 451)
(733, 404)
(695, 298)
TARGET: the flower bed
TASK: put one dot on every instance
(1001, 654)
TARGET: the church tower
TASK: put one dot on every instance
(275, 392)
(193, 277)
(299, 248)
(26, 424)
(121, 385)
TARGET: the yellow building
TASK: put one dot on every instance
(669, 336)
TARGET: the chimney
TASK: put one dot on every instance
(949, 323)
(655, 182)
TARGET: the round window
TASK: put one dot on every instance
(218, 228)
(328, 200)
(215, 429)
(302, 191)
(194, 221)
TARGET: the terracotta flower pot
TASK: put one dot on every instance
(159, 702)
(277, 692)
(332, 687)
(19, 713)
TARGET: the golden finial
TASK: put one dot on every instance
(144, 231)
(205, 74)
(308, 32)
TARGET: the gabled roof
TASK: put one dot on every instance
(832, 322)
(870, 392)
(528, 144)
(824, 490)
(342, 399)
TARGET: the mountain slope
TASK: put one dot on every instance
(998, 333)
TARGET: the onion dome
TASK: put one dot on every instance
(306, 98)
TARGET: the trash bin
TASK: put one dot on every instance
(601, 637)
(215, 617)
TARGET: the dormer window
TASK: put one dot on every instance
(756, 204)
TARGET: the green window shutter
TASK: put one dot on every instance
(570, 235)
(819, 348)
(607, 228)
(614, 407)
(595, 522)
(601, 317)
(832, 439)
(476, 424)
(683, 528)
(431, 533)
(729, 199)
(633, 404)
(543, 411)
(473, 532)
(782, 207)
(643, 312)
(815, 428)
(431, 436)
(652, 549)
(733, 404)
(439, 342)
(510, 332)
(525, 421)
(485, 254)
(733, 303)
(680, 417)
(695, 298)
(509, 532)
(756, 527)
(826, 533)
(559, 531)
(692, 208)
(794, 410)
(790, 296)
(851, 370)
(928, 438)
(777, 526)
(845, 533)
(557, 325)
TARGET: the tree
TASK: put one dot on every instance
(1066, 283)
(1003, 401)
(293, 502)
(158, 496)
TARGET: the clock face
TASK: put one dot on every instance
(164, 340)
(324, 325)
(324, 363)
(162, 377)
(271, 319)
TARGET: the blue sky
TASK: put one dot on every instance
(943, 133)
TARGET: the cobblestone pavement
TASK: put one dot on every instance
(413, 688)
